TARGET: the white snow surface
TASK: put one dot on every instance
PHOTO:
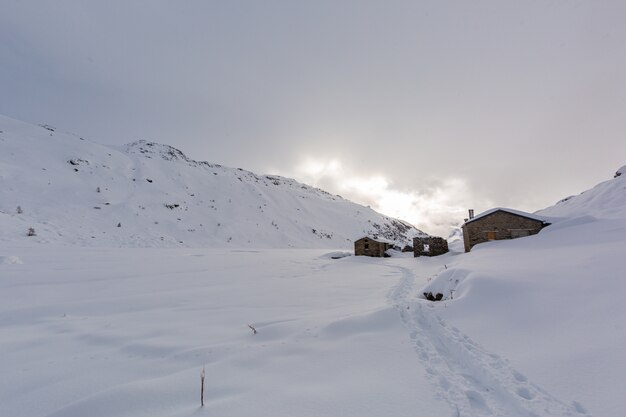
(74, 191)
(508, 210)
(10, 260)
(606, 200)
(531, 327)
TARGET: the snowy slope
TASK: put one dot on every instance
(551, 303)
(605, 200)
(71, 190)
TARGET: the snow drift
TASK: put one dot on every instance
(552, 303)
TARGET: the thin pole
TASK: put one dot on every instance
(202, 387)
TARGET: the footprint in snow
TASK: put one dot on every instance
(519, 377)
(525, 393)
(477, 401)
(474, 381)
(579, 407)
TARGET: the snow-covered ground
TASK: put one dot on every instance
(530, 327)
(536, 328)
(112, 332)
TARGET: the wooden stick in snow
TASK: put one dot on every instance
(202, 387)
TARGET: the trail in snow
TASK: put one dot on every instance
(474, 381)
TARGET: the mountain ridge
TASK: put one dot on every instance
(605, 200)
(74, 191)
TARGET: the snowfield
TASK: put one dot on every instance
(116, 326)
(536, 328)
(111, 332)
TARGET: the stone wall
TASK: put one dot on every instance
(429, 246)
(370, 247)
(499, 225)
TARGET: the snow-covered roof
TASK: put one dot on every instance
(512, 211)
(379, 239)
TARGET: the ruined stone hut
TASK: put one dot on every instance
(500, 224)
(429, 246)
(369, 246)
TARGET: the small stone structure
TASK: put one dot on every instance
(369, 246)
(429, 246)
(499, 224)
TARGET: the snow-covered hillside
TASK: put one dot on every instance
(71, 190)
(551, 303)
(605, 200)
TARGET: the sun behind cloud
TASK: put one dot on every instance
(435, 206)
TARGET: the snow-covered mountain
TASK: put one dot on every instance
(74, 191)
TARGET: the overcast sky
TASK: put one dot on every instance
(421, 109)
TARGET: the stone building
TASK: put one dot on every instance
(499, 224)
(369, 246)
(429, 246)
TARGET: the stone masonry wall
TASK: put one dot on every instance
(436, 246)
(370, 247)
(502, 224)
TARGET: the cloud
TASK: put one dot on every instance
(405, 108)
(435, 206)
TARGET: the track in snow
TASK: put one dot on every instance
(474, 381)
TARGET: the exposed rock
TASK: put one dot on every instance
(430, 297)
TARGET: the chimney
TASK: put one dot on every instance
(471, 214)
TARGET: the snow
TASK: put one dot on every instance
(10, 260)
(76, 192)
(512, 211)
(552, 303)
(336, 255)
(117, 326)
(605, 200)
(378, 239)
(125, 332)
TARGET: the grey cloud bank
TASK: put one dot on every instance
(452, 104)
